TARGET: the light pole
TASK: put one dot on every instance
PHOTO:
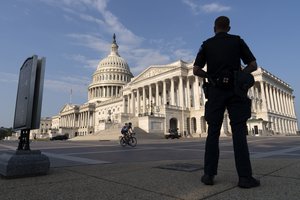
(151, 108)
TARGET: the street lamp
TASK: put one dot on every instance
(151, 108)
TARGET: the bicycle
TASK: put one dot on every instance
(128, 139)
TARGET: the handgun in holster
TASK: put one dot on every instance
(205, 88)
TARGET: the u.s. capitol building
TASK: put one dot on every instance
(169, 96)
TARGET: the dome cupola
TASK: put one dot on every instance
(111, 75)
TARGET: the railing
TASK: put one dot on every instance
(151, 114)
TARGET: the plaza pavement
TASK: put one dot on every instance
(157, 180)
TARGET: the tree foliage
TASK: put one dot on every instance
(4, 132)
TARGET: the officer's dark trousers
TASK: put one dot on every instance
(239, 110)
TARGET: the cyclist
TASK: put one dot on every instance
(124, 130)
(130, 129)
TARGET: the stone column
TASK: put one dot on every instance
(124, 104)
(280, 101)
(81, 120)
(188, 103)
(74, 121)
(202, 96)
(196, 93)
(138, 100)
(84, 119)
(156, 94)
(164, 92)
(83, 124)
(285, 104)
(268, 97)
(104, 91)
(293, 106)
(289, 104)
(88, 119)
(272, 98)
(287, 112)
(172, 92)
(181, 95)
(276, 100)
(144, 99)
(263, 96)
(150, 95)
(132, 103)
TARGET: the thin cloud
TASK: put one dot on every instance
(65, 84)
(8, 77)
(198, 8)
(130, 44)
(214, 8)
(91, 41)
(184, 54)
(144, 58)
(87, 63)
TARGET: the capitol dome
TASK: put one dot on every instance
(111, 75)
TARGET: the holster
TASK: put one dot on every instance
(205, 87)
(242, 82)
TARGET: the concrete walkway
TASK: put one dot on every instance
(280, 179)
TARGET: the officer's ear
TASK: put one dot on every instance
(228, 29)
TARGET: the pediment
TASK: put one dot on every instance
(67, 107)
(151, 72)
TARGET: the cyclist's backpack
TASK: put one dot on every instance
(124, 129)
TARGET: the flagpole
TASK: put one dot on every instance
(71, 96)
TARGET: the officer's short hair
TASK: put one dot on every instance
(222, 22)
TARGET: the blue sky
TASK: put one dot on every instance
(74, 35)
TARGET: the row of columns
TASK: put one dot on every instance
(85, 119)
(67, 120)
(113, 77)
(104, 91)
(178, 94)
(283, 126)
(276, 100)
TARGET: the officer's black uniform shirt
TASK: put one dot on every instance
(223, 49)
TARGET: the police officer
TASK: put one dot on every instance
(223, 54)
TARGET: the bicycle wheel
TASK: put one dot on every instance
(132, 141)
(123, 142)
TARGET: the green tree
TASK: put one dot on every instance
(4, 132)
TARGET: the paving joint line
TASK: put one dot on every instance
(129, 185)
(288, 165)
(215, 194)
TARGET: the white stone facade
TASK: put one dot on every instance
(170, 96)
(44, 130)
